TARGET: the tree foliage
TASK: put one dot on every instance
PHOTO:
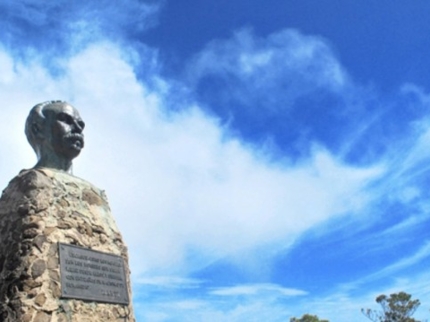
(398, 307)
(308, 318)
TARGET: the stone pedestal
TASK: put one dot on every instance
(38, 210)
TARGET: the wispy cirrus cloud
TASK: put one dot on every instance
(53, 31)
(189, 189)
(187, 183)
(169, 281)
(249, 302)
(345, 303)
(268, 73)
(254, 289)
(394, 269)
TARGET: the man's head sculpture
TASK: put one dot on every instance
(54, 131)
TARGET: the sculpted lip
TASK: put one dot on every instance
(77, 140)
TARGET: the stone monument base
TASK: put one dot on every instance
(40, 209)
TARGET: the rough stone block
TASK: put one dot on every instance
(39, 209)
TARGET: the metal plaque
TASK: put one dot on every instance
(92, 275)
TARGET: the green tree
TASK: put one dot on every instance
(398, 307)
(308, 318)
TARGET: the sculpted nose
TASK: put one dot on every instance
(77, 127)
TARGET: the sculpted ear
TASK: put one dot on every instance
(36, 130)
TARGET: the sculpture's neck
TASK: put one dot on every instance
(53, 161)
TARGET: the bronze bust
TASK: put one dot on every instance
(54, 130)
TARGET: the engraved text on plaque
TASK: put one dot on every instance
(92, 275)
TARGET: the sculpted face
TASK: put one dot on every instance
(54, 131)
(63, 130)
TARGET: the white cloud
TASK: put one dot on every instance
(229, 305)
(269, 73)
(255, 289)
(185, 192)
(168, 282)
(178, 184)
(422, 253)
(418, 92)
(346, 300)
(264, 301)
(345, 305)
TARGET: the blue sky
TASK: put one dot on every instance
(263, 159)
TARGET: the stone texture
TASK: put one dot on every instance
(42, 317)
(38, 268)
(40, 299)
(38, 209)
